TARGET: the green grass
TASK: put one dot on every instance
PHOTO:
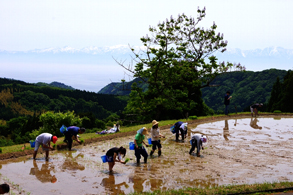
(226, 189)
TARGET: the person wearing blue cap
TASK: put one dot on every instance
(139, 149)
(196, 141)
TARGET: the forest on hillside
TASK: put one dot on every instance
(246, 88)
(22, 103)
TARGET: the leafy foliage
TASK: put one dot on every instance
(174, 67)
(246, 88)
(53, 121)
(21, 105)
(282, 94)
(123, 88)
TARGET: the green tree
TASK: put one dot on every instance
(287, 93)
(53, 121)
(176, 63)
(275, 97)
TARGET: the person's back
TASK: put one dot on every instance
(73, 130)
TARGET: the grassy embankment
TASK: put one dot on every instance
(263, 188)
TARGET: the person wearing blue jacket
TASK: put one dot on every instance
(72, 131)
(181, 128)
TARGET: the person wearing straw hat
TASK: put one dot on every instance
(196, 141)
(155, 136)
(44, 140)
(181, 128)
(139, 149)
(115, 155)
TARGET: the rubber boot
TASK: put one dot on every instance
(138, 161)
(145, 160)
(151, 154)
(159, 152)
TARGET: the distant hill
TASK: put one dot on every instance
(245, 87)
(116, 88)
(55, 84)
(19, 98)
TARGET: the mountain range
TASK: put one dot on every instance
(92, 68)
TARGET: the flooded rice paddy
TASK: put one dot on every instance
(246, 150)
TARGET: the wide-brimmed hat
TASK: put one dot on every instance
(155, 122)
(145, 131)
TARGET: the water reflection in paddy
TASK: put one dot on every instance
(244, 150)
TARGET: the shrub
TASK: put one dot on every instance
(277, 111)
(192, 117)
(53, 121)
(0, 150)
(110, 124)
(100, 124)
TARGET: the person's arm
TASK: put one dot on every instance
(116, 157)
(161, 135)
(119, 160)
(48, 146)
(135, 143)
(76, 139)
(147, 145)
(229, 97)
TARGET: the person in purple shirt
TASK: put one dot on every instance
(72, 131)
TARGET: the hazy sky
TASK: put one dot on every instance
(37, 24)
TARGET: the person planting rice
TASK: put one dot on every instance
(181, 128)
(115, 155)
(197, 140)
(253, 108)
(72, 131)
(156, 135)
(139, 149)
(44, 140)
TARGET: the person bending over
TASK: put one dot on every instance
(197, 140)
(72, 131)
(44, 140)
(115, 155)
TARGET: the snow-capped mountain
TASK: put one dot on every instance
(256, 60)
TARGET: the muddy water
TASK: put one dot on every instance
(238, 151)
